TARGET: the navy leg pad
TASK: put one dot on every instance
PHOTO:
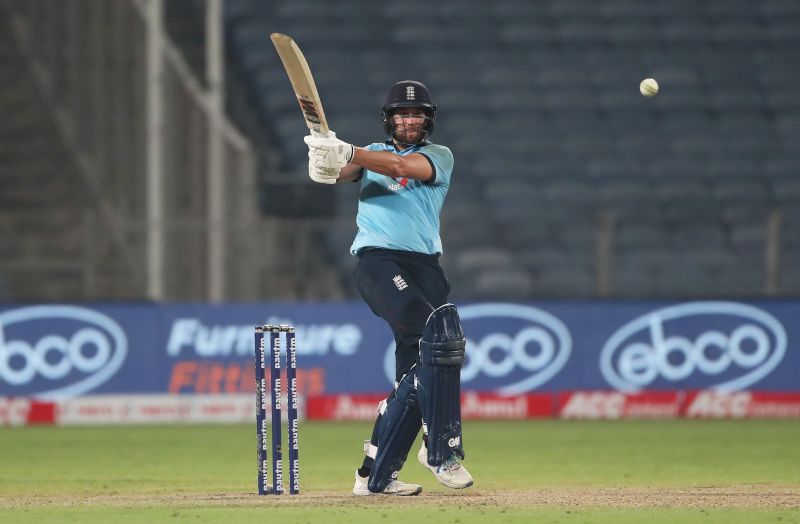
(400, 425)
(442, 349)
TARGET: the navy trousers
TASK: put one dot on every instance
(403, 288)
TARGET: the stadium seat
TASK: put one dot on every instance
(620, 191)
(698, 235)
(510, 283)
(567, 282)
(483, 257)
(738, 30)
(632, 235)
(747, 236)
(786, 192)
(739, 190)
(732, 8)
(631, 281)
(685, 280)
(723, 168)
(681, 189)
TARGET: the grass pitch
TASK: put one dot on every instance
(543, 471)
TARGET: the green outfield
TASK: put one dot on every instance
(533, 471)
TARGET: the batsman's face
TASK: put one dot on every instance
(408, 123)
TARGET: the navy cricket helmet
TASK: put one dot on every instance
(409, 93)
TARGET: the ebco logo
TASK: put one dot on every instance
(510, 347)
(724, 346)
(58, 351)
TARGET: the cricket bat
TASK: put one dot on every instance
(302, 82)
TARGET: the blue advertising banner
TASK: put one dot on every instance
(58, 351)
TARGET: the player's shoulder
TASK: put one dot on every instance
(436, 148)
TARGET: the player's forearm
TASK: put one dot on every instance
(349, 173)
(413, 166)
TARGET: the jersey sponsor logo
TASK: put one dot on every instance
(401, 183)
(399, 282)
(515, 348)
(56, 352)
(726, 345)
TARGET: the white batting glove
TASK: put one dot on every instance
(319, 171)
(334, 152)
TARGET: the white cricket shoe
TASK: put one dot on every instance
(452, 473)
(395, 487)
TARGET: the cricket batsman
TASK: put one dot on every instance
(404, 182)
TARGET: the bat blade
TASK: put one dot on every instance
(302, 82)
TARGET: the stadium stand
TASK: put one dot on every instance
(538, 100)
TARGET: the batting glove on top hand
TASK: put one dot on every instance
(335, 152)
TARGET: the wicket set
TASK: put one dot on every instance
(274, 332)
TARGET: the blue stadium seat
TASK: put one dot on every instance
(507, 283)
(732, 167)
(779, 8)
(739, 190)
(738, 30)
(737, 99)
(515, 9)
(483, 257)
(784, 32)
(686, 280)
(698, 143)
(534, 233)
(680, 211)
(782, 167)
(458, 236)
(616, 9)
(742, 212)
(743, 282)
(527, 33)
(642, 32)
(786, 192)
(615, 168)
(732, 8)
(789, 125)
(631, 281)
(621, 191)
(566, 282)
(698, 235)
(681, 189)
(580, 31)
(677, 30)
(632, 235)
(749, 236)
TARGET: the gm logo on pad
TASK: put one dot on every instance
(511, 348)
(52, 352)
(723, 346)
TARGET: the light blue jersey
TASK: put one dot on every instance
(403, 213)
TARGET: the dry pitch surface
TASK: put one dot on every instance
(753, 496)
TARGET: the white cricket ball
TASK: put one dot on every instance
(648, 87)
